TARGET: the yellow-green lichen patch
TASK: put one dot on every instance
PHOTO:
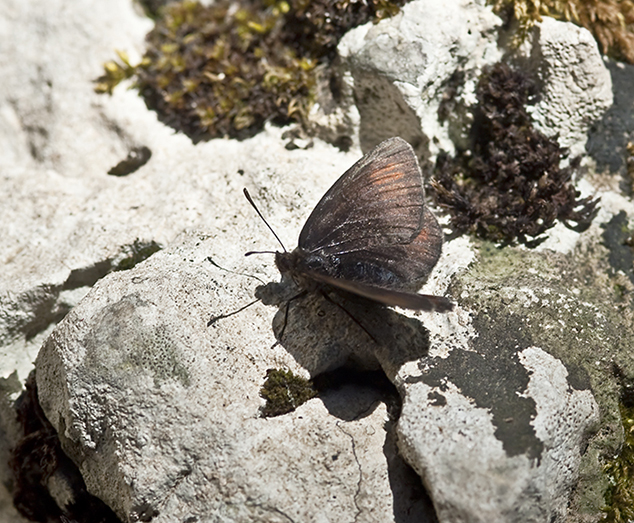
(284, 392)
(226, 69)
(610, 21)
(620, 495)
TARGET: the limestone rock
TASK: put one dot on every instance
(161, 412)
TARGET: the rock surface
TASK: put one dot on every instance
(576, 88)
(161, 412)
(402, 67)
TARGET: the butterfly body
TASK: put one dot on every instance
(371, 234)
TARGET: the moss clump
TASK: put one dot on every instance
(620, 496)
(314, 27)
(152, 8)
(228, 68)
(508, 187)
(115, 71)
(284, 392)
(610, 21)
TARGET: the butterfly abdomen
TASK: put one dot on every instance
(372, 274)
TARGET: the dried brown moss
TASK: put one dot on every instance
(228, 68)
(610, 21)
(509, 187)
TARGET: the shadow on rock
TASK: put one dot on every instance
(327, 329)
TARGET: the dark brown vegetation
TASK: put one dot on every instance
(509, 187)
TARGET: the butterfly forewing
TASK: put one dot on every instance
(378, 201)
(406, 300)
(372, 226)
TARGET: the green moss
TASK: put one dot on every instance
(152, 8)
(620, 495)
(115, 72)
(228, 68)
(136, 253)
(284, 392)
(610, 21)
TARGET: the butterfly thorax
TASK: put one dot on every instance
(299, 263)
(303, 265)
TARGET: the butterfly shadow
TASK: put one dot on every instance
(329, 328)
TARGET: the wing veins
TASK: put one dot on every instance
(358, 221)
(332, 245)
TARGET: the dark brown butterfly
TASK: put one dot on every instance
(371, 234)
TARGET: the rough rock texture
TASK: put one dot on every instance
(609, 137)
(402, 67)
(507, 450)
(576, 87)
(160, 412)
(10, 389)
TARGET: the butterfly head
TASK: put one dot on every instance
(286, 262)
(299, 265)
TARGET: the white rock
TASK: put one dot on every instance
(161, 412)
(485, 456)
(576, 86)
(402, 66)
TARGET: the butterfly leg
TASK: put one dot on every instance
(288, 304)
(214, 319)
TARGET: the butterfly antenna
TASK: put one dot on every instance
(248, 197)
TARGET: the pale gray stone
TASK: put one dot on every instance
(161, 412)
(401, 67)
(575, 84)
(485, 457)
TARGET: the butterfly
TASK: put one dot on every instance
(371, 234)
